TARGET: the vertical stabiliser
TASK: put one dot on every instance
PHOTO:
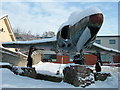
(83, 39)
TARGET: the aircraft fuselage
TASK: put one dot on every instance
(72, 39)
(77, 33)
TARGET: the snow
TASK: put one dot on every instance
(18, 69)
(4, 63)
(53, 68)
(7, 53)
(6, 49)
(89, 77)
(105, 48)
(5, 15)
(110, 82)
(10, 52)
(10, 80)
(77, 16)
(111, 64)
(32, 41)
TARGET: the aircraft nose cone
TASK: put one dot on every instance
(96, 19)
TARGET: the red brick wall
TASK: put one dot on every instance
(90, 59)
(65, 59)
(117, 59)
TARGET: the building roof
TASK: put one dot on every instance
(5, 15)
(109, 36)
(6, 27)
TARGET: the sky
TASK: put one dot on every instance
(38, 17)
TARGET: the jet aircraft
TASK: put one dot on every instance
(74, 36)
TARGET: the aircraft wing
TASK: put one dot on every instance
(39, 44)
(103, 50)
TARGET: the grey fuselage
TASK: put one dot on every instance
(72, 39)
(77, 33)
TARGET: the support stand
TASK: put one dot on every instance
(58, 71)
(29, 59)
(99, 63)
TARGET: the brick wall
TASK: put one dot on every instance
(117, 59)
(90, 59)
(65, 59)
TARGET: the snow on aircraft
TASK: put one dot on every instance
(74, 36)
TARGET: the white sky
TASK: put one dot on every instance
(39, 17)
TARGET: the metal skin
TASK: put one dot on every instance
(72, 39)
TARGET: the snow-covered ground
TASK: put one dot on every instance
(10, 80)
(49, 68)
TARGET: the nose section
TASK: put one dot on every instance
(96, 19)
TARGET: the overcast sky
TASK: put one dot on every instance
(39, 17)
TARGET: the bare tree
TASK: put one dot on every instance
(16, 30)
(48, 34)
